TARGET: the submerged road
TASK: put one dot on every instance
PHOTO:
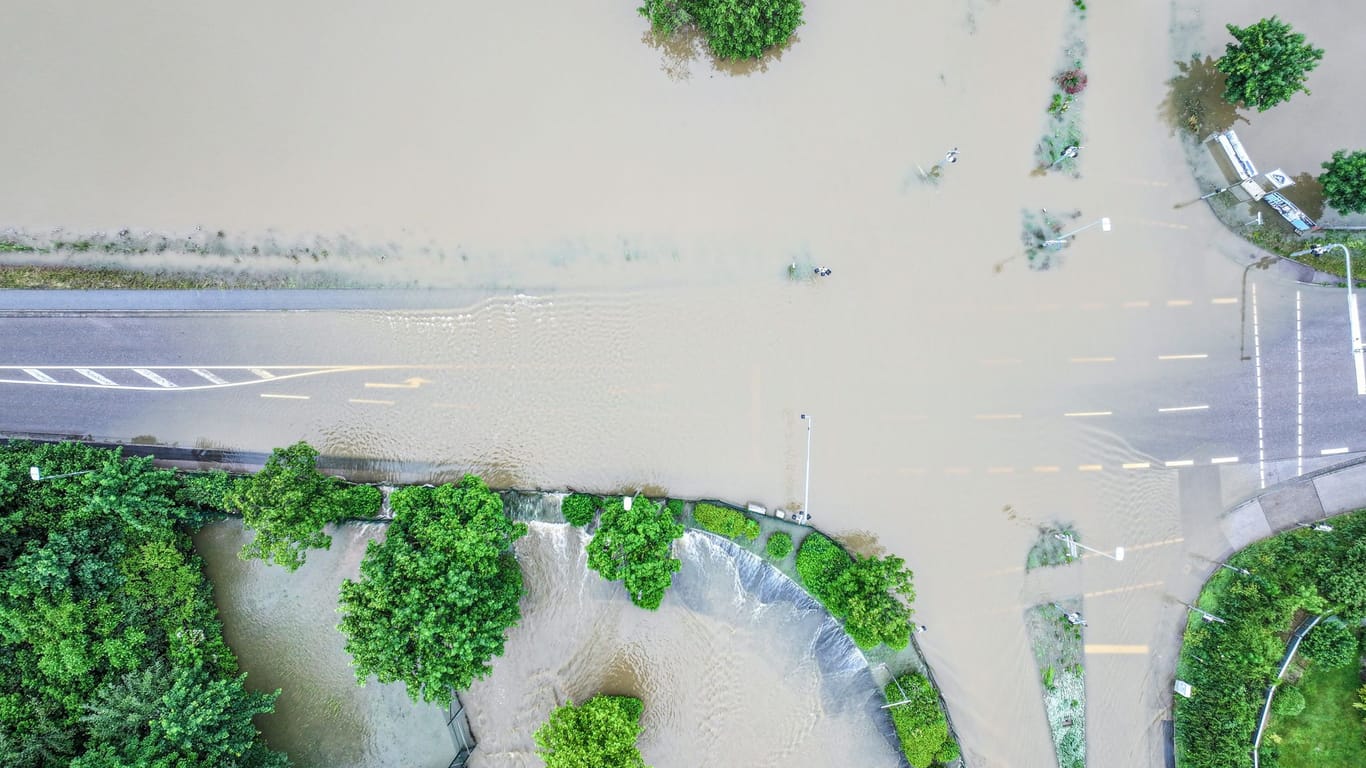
(1160, 408)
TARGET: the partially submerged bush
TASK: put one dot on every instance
(580, 508)
(920, 724)
(779, 545)
(735, 29)
(728, 522)
(820, 561)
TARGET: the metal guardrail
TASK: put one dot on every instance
(1271, 689)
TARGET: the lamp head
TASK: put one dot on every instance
(1105, 224)
(34, 474)
(803, 416)
(1119, 553)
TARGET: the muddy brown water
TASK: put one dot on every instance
(649, 217)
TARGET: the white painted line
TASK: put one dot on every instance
(1137, 465)
(1227, 300)
(363, 401)
(1182, 357)
(1299, 390)
(1136, 304)
(1091, 360)
(203, 374)
(1183, 408)
(98, 378)
(1179, 302)
(1181, 463)
(262, 373)
(154, 378)
(1089, 468)
(39, 375)
(1354, 317)
(1048, 469)
(1224, 460)
(285, 397)
(997, 416)
(1257, 355)
(1079, 414)
(1332, 451)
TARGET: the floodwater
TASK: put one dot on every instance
(735, 641)
(647, 220)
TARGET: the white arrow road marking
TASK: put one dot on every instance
(206, 375)
(152, 377)
(100, 379)
(39, 375)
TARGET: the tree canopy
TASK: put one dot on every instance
(735, 29)
(600, 733)
(1267, 65)
(635, 546)
(111, 653)
(289, 502)
(436, 597)
(870, 595)
(1344, 181)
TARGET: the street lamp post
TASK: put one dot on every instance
(37, 476)
(1073, 545)
(1236, 569)
(1353, 314)
(806, 498)
(1206, 615)
(1061, 240)
(1320, 527)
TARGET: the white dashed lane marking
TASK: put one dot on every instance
(153, 377)
(98, 378)
(1183, 408)
(1332, 451)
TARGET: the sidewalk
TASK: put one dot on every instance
(1306, 499)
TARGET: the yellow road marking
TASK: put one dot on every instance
(1047, 469)
(1137, 465)
(1179, 302)
(1103, 592)
(363, 401)
(1152, 544)
(1000, 470)
(1225, 300)
(1089, 413)
(1089, 467)
(1135, 304)
(1130, 650)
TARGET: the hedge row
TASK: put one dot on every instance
(920, 724)
(725, 521)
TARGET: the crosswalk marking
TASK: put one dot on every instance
(39, 375)
(261, 372)
(206, 375)
(98, 378)
(154, 378)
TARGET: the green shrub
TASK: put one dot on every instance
(675, 507)
(725, 521)
(1288, 701)
(360, 502)
(920, 723)
(580, 508)
(779, 545)
(820, 562)
(949, 752)
(1330, 644)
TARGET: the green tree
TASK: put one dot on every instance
(870, 594)
(435, 599)
(287, 504)
(167, 718)
(635, 546)
(1331, 644)
(1267, 65)
(735, 29)
(1344, 181)
(600, 733)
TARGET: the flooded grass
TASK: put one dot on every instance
(1064, 108)
(1049, 550)
(1058, 650)
(29, 276)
